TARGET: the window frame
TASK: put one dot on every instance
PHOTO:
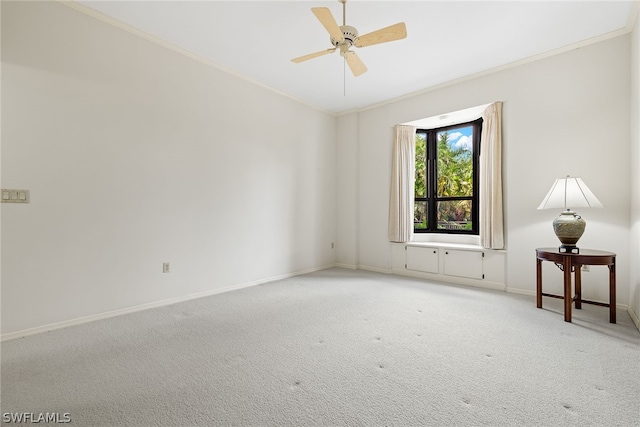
(431, 199)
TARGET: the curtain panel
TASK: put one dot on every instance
(491, 209)
(402, 184)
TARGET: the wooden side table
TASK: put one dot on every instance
(570, 262)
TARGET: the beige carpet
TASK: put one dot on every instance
(334, 348)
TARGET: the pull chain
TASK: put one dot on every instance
(344, 77)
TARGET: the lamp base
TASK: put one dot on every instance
(569, 249)
(569, 227)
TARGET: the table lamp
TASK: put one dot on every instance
(567, 193)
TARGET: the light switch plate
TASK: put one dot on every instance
(10, 195)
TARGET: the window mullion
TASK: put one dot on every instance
(432, 145)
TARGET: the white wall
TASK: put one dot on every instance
(129, 149)
(136, 155)
(635, 173)
(564, 114)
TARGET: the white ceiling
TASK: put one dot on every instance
(447, 40)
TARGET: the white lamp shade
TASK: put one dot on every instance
(570, 192)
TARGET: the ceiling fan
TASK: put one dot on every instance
(345, 36)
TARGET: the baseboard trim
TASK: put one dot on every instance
(634, 317)
(349, 266)
(147, 306)
(520, 291)
(451, 280)
(162, 303)
(374, 269)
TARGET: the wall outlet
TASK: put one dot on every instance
(165, 267)
(585, 268)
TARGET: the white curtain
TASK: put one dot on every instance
(491, 216)
(402, 182)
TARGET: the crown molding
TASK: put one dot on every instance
(165, 44)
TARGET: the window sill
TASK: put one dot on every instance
(447, 245)
(446, 239)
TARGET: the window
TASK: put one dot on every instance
(447, 179)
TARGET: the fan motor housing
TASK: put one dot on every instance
(349, 33)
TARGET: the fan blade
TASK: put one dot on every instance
(328, 22)
(388, 34)
(312, 55)
(355, 63)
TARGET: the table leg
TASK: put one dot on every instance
(612, 293)
(538, 282)
(566, 262)
(578, 278)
